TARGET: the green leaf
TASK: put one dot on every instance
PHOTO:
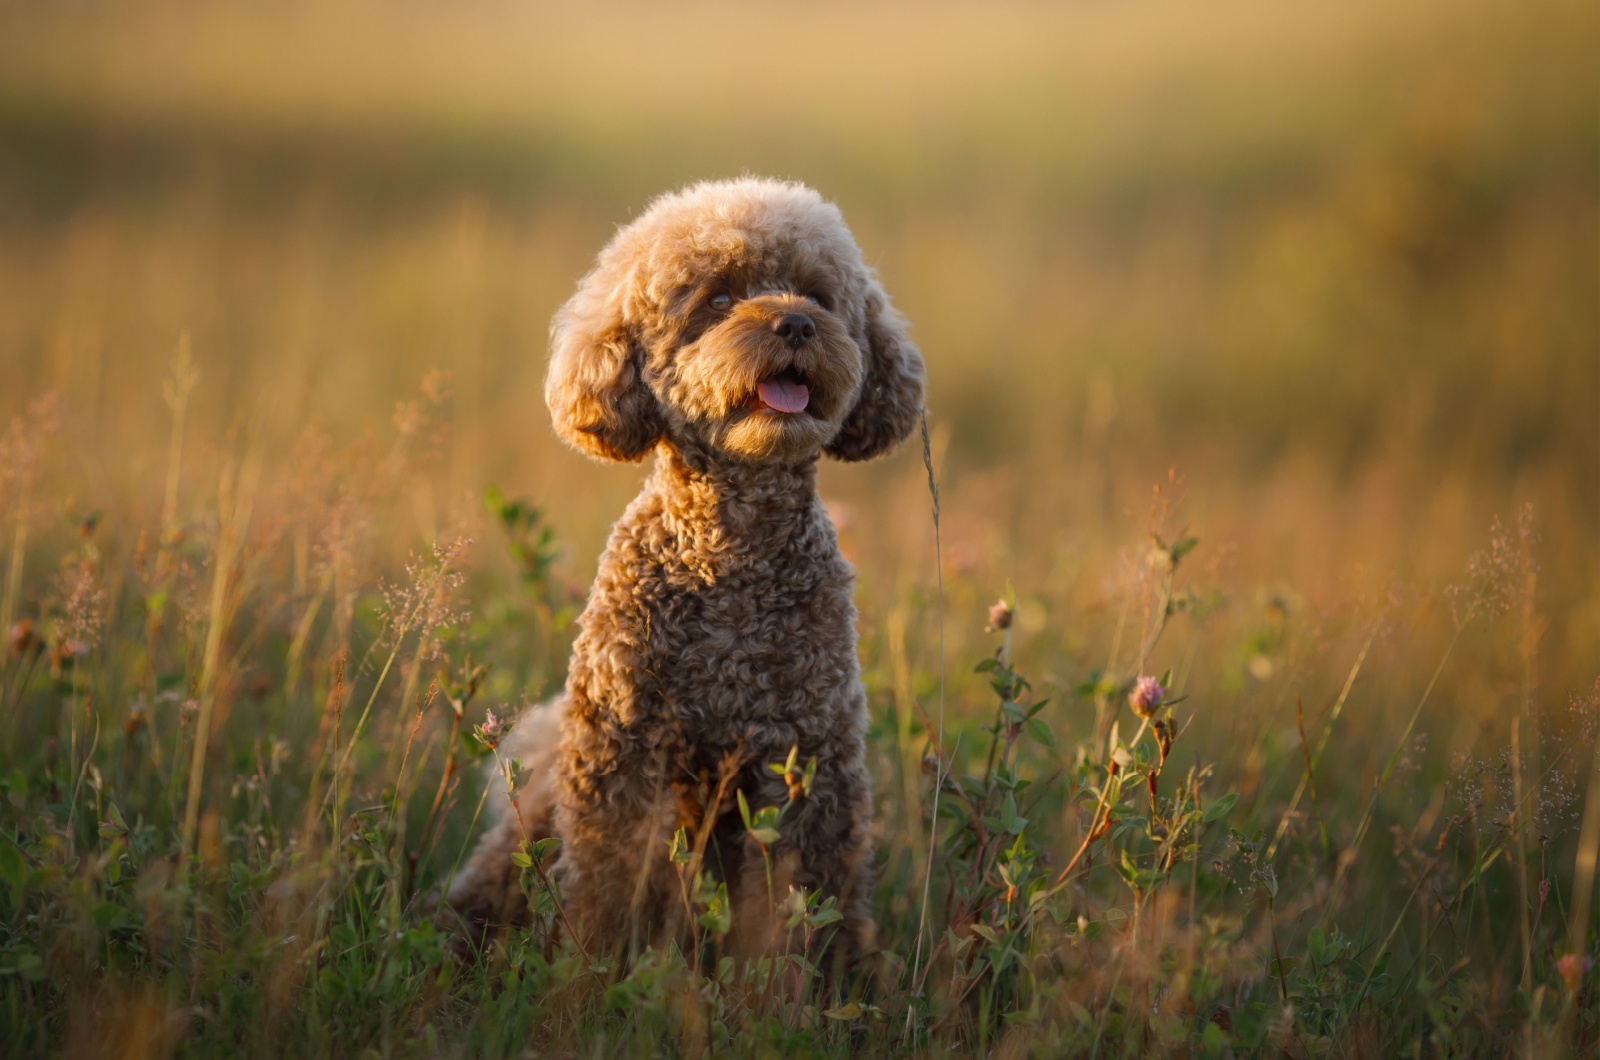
(1014, 823)
(678, 847)
(1040, 732)
(824, 917)
(1316, 945)
(155, 603)
(24, 963)
(763, 824)
(1181, 548)
(107, 916)
(1220, 809)
(718, 916)
(114, 826)
(14, 870)
(851, 1011)
(1170, 1029)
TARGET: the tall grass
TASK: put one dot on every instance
(1263, 355)
(203, 854)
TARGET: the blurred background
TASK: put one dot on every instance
(1327, 272)
(1316, 283)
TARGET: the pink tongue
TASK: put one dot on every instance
(784, 396)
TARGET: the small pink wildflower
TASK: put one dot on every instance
(20, 637)
(136, 719)
(999, 616)
(1146, 696)
(492, 731)
(1573, 967)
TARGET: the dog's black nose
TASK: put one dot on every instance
(796, 329)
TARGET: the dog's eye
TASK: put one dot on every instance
(721, 302)
(819, 299)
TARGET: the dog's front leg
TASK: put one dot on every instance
(614, 872)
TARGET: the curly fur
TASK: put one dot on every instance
(720, 631)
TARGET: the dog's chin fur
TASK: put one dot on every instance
(764, 436)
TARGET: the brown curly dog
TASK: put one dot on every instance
(733, 330)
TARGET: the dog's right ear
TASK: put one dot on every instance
(890, 404)
(598, 399)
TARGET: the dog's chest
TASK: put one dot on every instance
(769, 644)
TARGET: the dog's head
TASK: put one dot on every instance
(736, 316)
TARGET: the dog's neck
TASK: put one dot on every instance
(730, 508)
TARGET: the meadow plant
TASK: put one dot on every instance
(241, 766)
(209, 843)
(1303, 765)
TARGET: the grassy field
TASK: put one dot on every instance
(1264, 357)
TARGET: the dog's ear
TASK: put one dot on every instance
(891, 395)
(598, 399)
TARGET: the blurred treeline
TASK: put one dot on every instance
(1336, 263)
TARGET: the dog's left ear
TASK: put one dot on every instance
(598, 399)
(891, 395)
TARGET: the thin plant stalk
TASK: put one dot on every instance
(1322, 741)
(1584, 862)
(19, 549)
(1394, 759)
(938, 780)
(236, 492)
(555, 899)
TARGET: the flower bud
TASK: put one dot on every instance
(136, 719)
(492, 731)
(1146, 696)
(20, 637)
(1572, 968)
